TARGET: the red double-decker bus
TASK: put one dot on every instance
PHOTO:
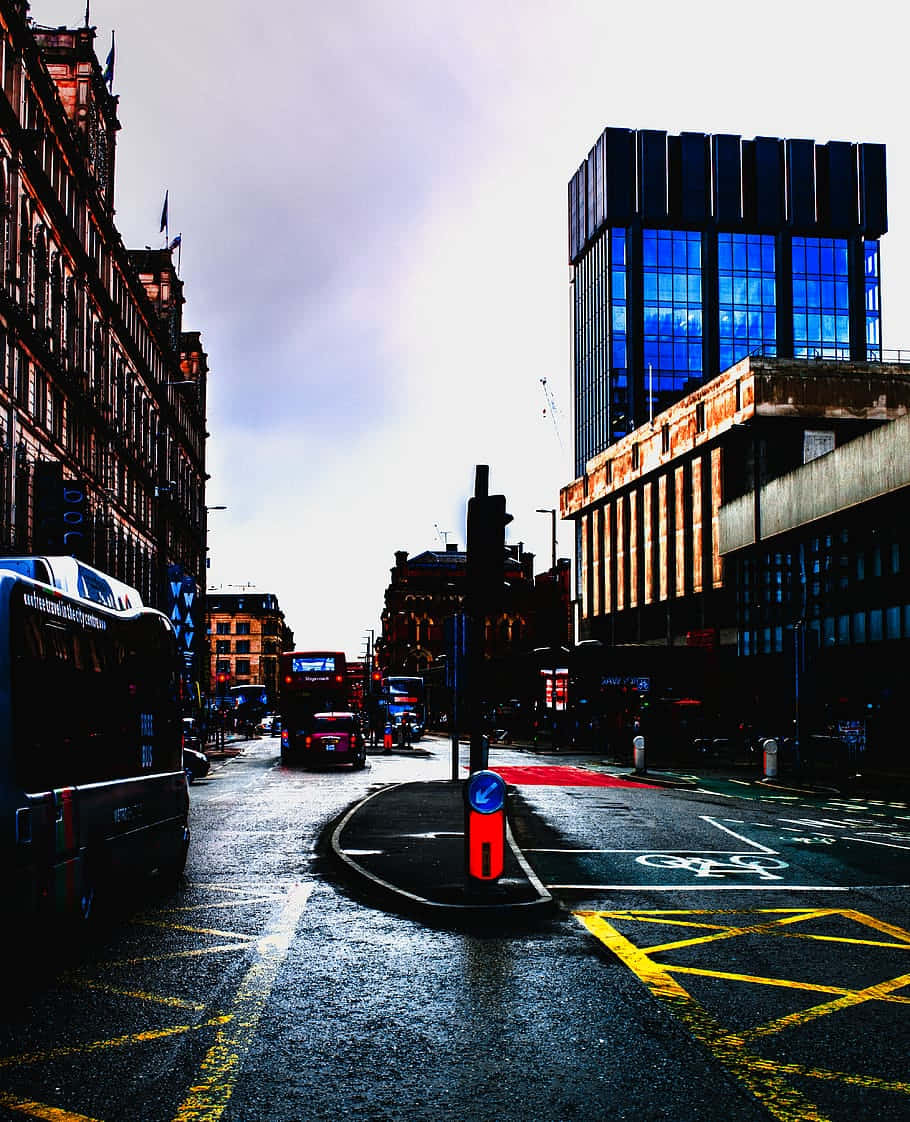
(309, 682)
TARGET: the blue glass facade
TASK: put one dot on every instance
(873, 301)
(746, 296)
(673, 313)
(692, 251)
(821, 298)
(620, 404)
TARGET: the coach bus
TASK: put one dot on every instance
(92, 788)
(309, 682)
(402, 697)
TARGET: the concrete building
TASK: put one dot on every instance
(102, 394)
(655, 584)
(246, 633)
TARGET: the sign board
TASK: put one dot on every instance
(816, 443)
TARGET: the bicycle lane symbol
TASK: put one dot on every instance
(759, 862)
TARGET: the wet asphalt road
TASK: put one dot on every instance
(264, 990)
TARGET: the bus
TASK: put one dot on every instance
(248, 703)
(402, 695)
(93, 793)
(309, 682)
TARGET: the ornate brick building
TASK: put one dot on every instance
(246, 633)
(102, 394)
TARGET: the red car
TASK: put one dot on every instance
(334, 738)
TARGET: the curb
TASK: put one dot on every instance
(545, 904)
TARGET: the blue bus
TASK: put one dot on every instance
(403, 696)
(92, 788)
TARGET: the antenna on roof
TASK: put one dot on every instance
(443, 535)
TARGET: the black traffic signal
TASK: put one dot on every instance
(486, 565)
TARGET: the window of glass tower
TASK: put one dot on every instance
(821, 298)
(747, 299)
(620, 412)
(673, 335)
(873, 304)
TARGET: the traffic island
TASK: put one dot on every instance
(403, 847)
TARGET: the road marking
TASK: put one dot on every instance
(41, 1110)
(766, 1079)
(739, 837)
(221, 1067)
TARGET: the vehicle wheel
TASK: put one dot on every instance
(170, 871)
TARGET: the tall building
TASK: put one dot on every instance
(690, 252)
(102, 394)
(247, 633)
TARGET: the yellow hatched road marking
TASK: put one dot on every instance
(209, 1097)
(765, 1078)
(138, 995)
(41, 1110)
(125, 1041)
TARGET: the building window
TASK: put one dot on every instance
(242, 666)
(242, 646)
(222, 666)
(222, 646)
(620, 410)
(223, 628)
(673, 335)
(747, 297)
(821, 298)
(243, 627)
(873, 302)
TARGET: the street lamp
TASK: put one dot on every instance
(551, 511)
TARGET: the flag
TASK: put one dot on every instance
(164, 213)
(175, 242)
(109, 65)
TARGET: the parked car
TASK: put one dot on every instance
(195, 764)
(191, 735)
(270, 725)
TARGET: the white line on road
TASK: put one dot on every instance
(746, 841)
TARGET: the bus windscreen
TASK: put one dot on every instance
(313, 664)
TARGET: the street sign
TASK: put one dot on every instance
(485, 825)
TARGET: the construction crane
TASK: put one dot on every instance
(554, 412)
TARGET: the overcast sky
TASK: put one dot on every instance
(372, 200)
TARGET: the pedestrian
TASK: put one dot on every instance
(406, 731)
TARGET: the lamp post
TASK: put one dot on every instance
(552, 512)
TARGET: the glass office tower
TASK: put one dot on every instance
(690, 252)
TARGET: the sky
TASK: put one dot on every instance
(371, 196)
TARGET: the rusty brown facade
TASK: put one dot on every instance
(96, 373)
(246, 633)
(652, 574)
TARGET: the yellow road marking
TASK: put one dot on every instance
(765, 1078)
(125, 1041)
(209, 1097)
(119, 991)
(41, 1110)
(880, 992)
(193, 930)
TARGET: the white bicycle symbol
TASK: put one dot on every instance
(756, 863)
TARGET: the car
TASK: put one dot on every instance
(195, 764)
(335, 738)
(191, 734)
(270, 725)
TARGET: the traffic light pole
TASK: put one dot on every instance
(486, 554)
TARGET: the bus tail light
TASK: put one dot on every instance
(308, 742)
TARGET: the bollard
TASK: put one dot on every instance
(770, 758)
(638, 747)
